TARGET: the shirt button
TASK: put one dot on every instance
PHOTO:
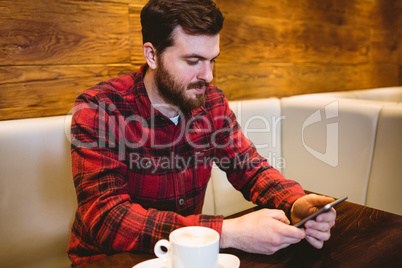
(181, 201)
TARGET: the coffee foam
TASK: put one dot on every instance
(193, 239)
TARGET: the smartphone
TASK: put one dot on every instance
(321, 210)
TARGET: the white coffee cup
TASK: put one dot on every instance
(190, 247)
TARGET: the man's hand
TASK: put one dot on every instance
(318, 230)
(264, 232)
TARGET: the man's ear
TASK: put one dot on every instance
(150, 55)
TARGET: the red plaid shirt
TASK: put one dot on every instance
(138, 176)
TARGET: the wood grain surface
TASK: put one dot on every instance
(52, 50)
(361, 237)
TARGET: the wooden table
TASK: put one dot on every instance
(362, 237)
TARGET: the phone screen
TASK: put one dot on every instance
(321, 210)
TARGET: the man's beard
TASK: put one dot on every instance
(173, 92)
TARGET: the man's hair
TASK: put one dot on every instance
(160, 17)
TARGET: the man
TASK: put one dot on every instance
(143, 144)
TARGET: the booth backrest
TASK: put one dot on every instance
(260, 121)
(368, 127)
(388, 94)
(37, 196)
(328, 144)
(391, 94)
(385, 184)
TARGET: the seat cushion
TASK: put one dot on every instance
(384, 190)
(391, 94)
(328, 144)
(37, 195)
(260, 121)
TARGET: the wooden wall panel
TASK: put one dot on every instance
(282, 48)
(250, 39)
(399, 27)
(137, 56)
(34, 91)
(63, 32)
(279, 80)
(333, 12)
(385, 46)
(50, 51)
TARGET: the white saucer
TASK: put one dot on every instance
(224, 261)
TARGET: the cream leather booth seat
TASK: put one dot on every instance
(260, 121)
(385, 183)
(366, 164)
(328, 144)
(336, 143)
(387, 94)
(391, 94)
(37, 196)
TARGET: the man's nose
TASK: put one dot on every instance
(206, 74)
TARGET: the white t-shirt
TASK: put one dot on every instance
(175, 119)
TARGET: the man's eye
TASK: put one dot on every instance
(192, 62)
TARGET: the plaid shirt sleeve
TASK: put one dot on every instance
(107, 219)
(250, 173)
